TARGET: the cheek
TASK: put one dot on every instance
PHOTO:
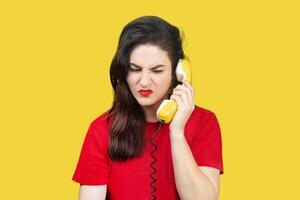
(164, 84)
(168, 78)
(130, 79)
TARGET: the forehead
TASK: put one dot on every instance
(148, 55)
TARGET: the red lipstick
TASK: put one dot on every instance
(145, 92)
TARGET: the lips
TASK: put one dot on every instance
(145, 92)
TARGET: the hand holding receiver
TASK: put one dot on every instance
(168, 108)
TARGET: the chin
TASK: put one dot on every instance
(150, 103)
(146, 103)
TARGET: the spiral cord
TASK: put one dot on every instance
(154, 161)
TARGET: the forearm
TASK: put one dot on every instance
(191, 182)
(92, 192)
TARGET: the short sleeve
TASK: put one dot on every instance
(93, 166)
(207, 146)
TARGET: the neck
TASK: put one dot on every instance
(150, 111)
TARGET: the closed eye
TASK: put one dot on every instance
(134, 70)
(137, 70)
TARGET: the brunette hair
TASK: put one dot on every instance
(126, 138)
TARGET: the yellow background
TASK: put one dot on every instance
(55, 57)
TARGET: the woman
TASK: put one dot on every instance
(117, 159)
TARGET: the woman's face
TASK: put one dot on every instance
(150, 69)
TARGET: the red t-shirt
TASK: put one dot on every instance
(131, 179)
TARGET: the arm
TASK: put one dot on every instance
(192, 182)
(92, 192)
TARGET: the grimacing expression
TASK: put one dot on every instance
(150, 68)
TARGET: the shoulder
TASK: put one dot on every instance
(200, 114)
(201, 122)
(101, 123)
(101, 120)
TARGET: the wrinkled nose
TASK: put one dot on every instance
(145, 79)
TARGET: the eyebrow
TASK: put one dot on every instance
(157, 66)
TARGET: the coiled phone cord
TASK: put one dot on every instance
(154, 161)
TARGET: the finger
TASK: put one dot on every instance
(183, 94)
(178, 100)
(187, 84)
(191, 91)
(188, 93)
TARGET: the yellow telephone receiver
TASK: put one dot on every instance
(168, 108)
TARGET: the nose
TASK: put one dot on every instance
(145, 79)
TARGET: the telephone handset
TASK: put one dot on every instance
(167, 108)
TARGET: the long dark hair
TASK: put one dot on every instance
(126, 138)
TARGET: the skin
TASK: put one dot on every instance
(141, 75)
(192, 181)
(158, 80)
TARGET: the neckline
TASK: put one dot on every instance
(152, 124)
